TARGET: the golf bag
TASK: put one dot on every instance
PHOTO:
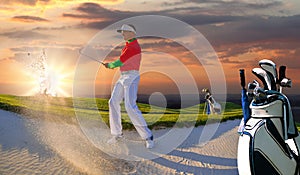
(211, 105)
(269, 141)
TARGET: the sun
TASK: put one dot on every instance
(58, 82)
(49, 77)
(55, 83)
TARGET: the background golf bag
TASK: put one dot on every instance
(269, 141)
(211, 105)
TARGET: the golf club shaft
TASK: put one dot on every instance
(90, 57)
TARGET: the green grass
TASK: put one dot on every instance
(156, 117)
(298, 126)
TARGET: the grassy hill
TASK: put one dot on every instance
(156, 117)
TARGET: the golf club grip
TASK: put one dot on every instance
(242, 77)
(282, 70)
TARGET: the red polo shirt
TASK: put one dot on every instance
(131, 56)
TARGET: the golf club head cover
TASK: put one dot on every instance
(268, 66)
(286, 82)
(264, 78)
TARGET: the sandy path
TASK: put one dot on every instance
(31, 146)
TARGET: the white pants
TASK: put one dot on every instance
(127, 87)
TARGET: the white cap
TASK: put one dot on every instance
(126, 27)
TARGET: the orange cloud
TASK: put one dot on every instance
(46, 2)
(29, 19)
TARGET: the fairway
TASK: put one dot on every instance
(156, 117)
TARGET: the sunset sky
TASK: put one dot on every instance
(241, 32)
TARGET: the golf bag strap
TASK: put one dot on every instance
(291, 129)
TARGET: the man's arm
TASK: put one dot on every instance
(119, 62)
(114, 64)
(126, 54)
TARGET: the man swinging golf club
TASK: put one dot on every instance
(126, 87)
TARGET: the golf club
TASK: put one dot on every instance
(256, 92)
(253, 85)
(244, 101)
(283, 81)
(270, 68)
(282, 70)
(264, 77)
(242, 78)
(92, 58)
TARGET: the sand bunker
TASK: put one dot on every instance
(52, 146)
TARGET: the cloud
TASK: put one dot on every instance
(24, 34)
(53, 28)
(276, 28)
(234, 29)
(248, 54)
(254, 30)
(29, 19)
(154, 45)
(238, 32)
(6, 8)
(25, 2)
(227, 6)
(222, 31)
(99, 17)
(203, 12)
(222, 12)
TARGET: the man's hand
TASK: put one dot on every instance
(106, 65)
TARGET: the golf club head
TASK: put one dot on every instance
(283, 81)
(250, 94)
(252, 88)
(282, 70)
(286, 82)
(259, 95)
(264, 78)
(270, 67)
(242, 78)
(253, 85)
